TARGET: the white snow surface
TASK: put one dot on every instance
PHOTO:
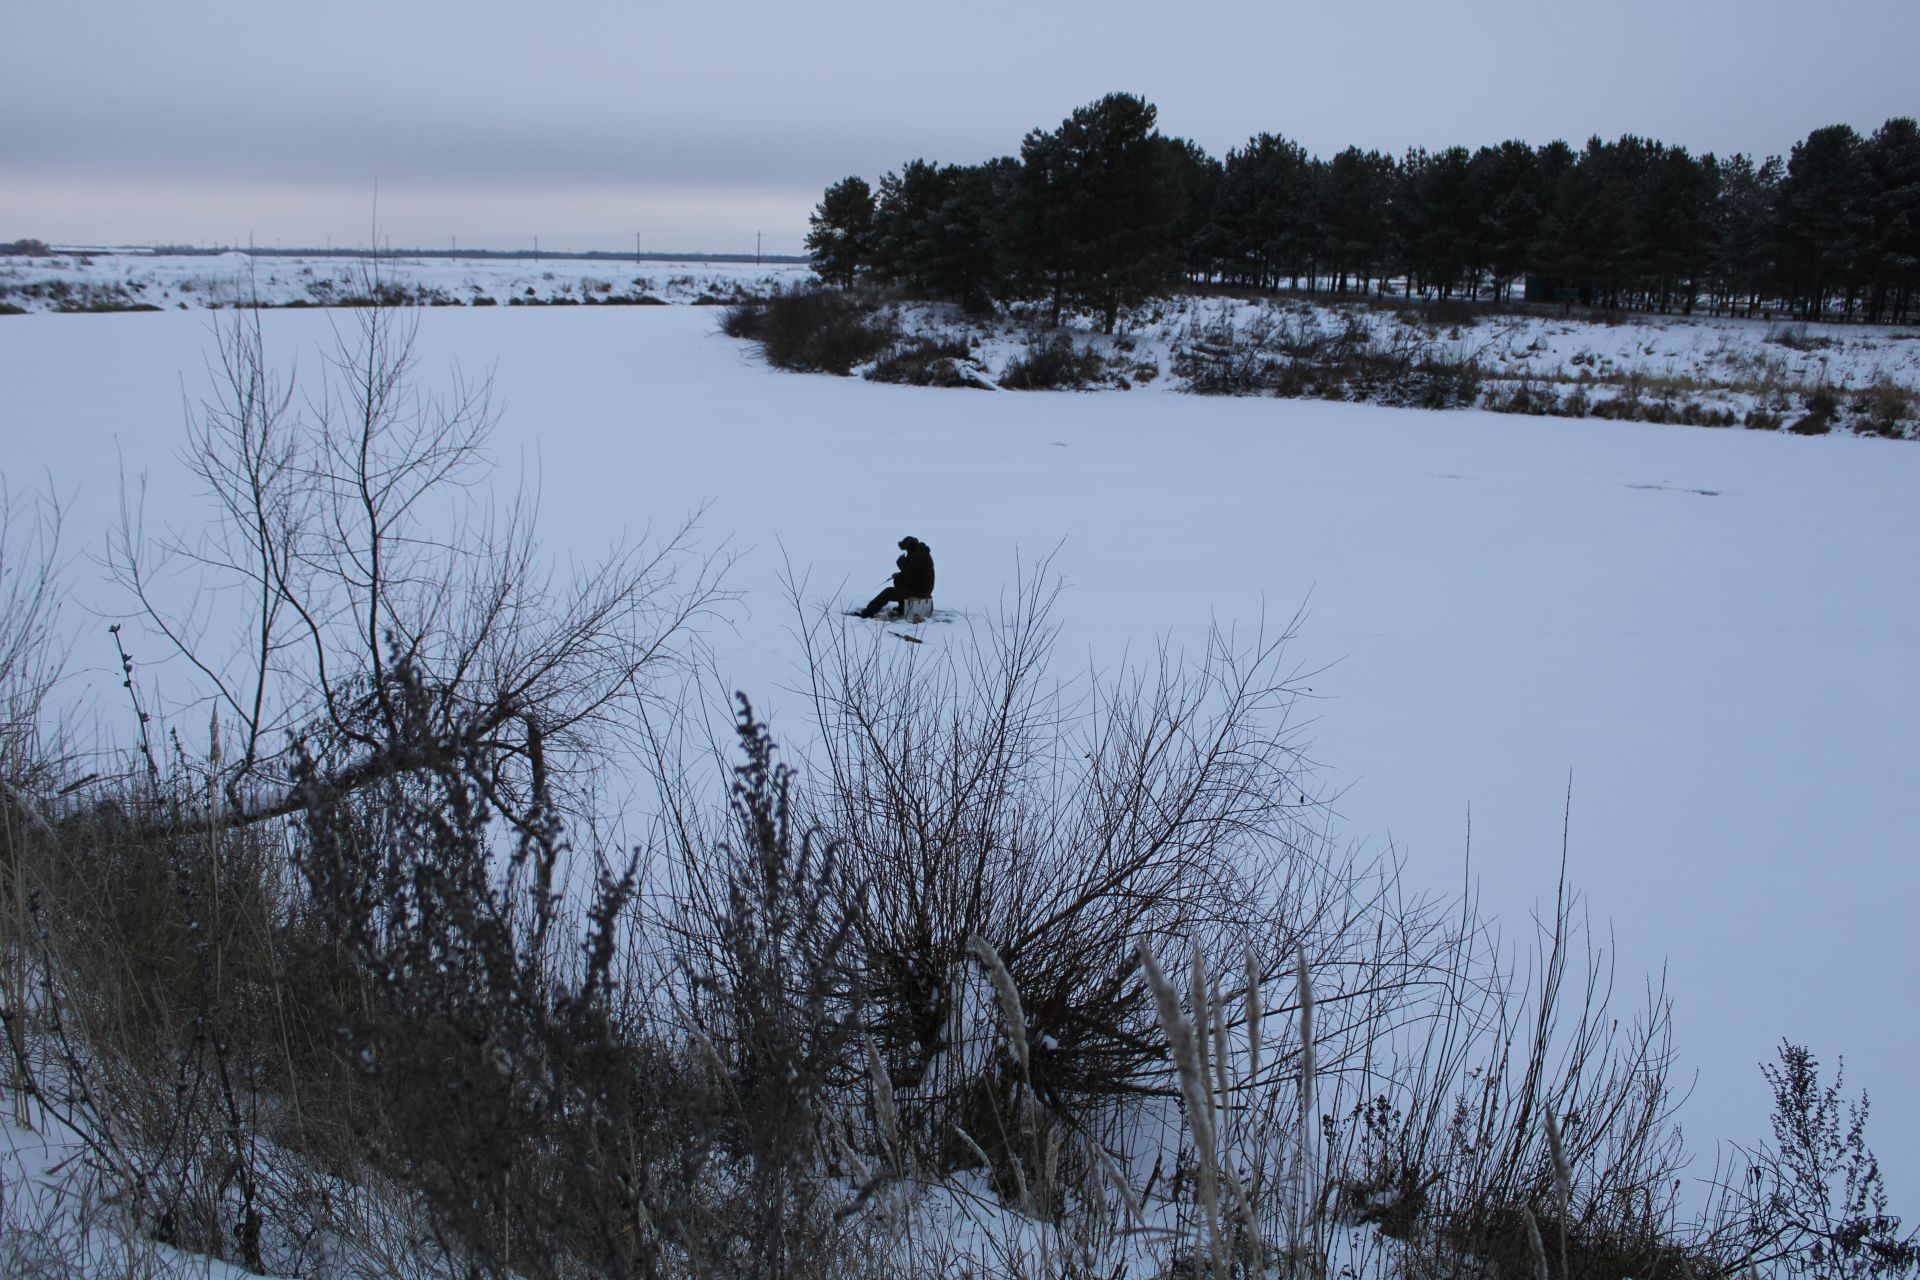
(1717, 361)
(1716, 350)
(187, 282)
(55, 1223)
(1721, 362)
(1713, 634)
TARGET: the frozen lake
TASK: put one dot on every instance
(1715, 632)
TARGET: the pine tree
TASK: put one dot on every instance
(1506, 180)
(1099, 199)
(902, 214)
(1265, 198)
(1355, 197)
(840, 235)
(1739, 259)
(1893, 255)
(1824, 223)
(1675, 223)
(1197, 236)
(961, 251)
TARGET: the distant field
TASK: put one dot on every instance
(119, 281)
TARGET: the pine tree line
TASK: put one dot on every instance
(1105, 211)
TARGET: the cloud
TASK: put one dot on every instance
(408, 214)
(604, 98)
(356, 141)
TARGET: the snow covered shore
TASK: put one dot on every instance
(1696, 368)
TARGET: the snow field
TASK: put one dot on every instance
(1713, 633)
(195, 282)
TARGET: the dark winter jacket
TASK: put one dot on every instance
(916, 569)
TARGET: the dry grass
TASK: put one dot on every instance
(146, 955)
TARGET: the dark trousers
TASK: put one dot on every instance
(890, 596)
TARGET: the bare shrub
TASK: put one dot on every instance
(1885, 408)
(976, 798)
(347, 527)
(30, 651)
(31, 759)
(1524, 396)
(930, 362)
(765, 932)
(1821, 407)
(811, 330)
(246, 1033)
(437, 684)
(503, 1083)
(1295, 357)
(1797, 338)
(1057, 363)
(157, 1014)
(1811, 1202)
(1222, 369)
(1468, 1105)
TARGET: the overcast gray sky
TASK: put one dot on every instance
(700, 125)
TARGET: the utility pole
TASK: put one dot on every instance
(636, 247)
(756, 248)
(536, 248)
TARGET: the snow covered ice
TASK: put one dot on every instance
(1714, 634)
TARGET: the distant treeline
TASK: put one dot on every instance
(1105, 211)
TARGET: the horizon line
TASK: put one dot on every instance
(157, 249)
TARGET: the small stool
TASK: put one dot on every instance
(916, 609)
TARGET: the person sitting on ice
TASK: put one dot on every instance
(912, 582)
